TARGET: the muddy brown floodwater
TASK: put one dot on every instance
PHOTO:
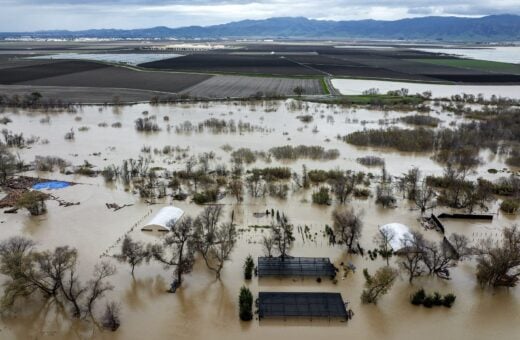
(205, 308)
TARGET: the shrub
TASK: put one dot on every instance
(437, 299)
(245, 301)
(249, 265)
(418, 297)
(33, 201)
(321, 196)
(449, 299)
(371, 161)
(207, 196)
(510, 206)
(428, 301)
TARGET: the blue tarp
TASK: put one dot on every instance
(51, 185)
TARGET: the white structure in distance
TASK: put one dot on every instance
(399, 230)
(164, 219)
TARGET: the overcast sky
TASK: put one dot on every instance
(29, 15)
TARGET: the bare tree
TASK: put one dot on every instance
(177, 249)
(347, 227)
(412, 255)
(498, 264)
(461, 245)
(343, 186)
(7, 163)
(236, 187)
(282, 235)
(439, 258)
(268, 244)
(132, 252)
(215, 243)
(383, 239)
(424, 197)
(97, 286)
(110, 319)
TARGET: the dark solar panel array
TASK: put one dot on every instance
(295, 266)
(319, 305)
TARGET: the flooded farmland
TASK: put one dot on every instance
(208, 308)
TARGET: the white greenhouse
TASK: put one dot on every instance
(399, 230)
(166, 218)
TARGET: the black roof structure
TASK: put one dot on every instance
(295, 266)
(318, 305)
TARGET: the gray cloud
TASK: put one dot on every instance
(28, 15)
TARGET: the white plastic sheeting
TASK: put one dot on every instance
(399, 230)
(167, 215)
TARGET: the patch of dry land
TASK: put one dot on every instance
(143, 156)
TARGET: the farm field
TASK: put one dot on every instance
(483, 65)
(223, 86)
(396, 63)
(231, 63)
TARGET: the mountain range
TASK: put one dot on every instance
(488, 28)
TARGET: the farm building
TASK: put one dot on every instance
(295, 266)
(399, 230)
(311, 305)
(166, 218)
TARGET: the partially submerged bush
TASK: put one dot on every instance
(245, 301)
(418, 297)
(510, 206)
(421, 120)
(289, 152)
(371, 161)
(321, 196)
(33, 201)
(206, 196)
(249, 265)
(421, 298)
(146, 124)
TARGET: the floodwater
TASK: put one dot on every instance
(358, 86)
(504, 54)
(205, 308)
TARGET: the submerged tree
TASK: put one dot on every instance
(282, 235)
(378, 284)
(499, 264)
(214, 241)
(177, 249)
(412, 255)
(33, 201)
(384, 239)
(7, 164)
(52, 274)
(133, 253)
(347, 227)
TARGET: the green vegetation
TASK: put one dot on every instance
(33, 201)
(245, 301)
(324, 86)
(206, 196)
(421, 298)
(249, 265)
(378, 284)
(510, 206)
(321, 196)
(481, 65)
(417, 140)
(421, 120)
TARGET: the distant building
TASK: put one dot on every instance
(184, 47)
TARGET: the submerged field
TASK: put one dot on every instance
(206, 135)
